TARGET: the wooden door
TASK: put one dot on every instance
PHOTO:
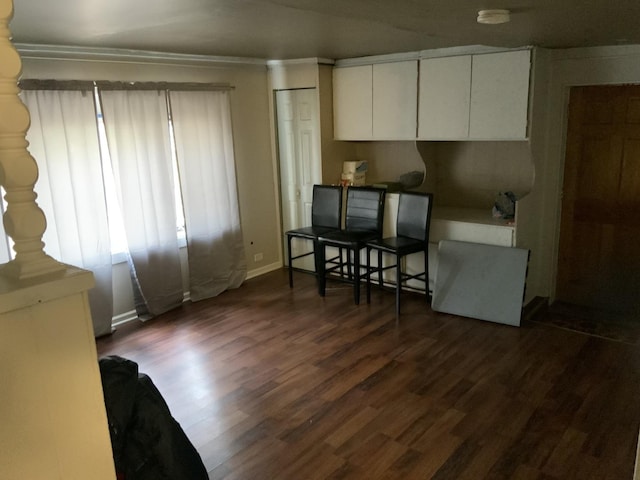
(299, 158)
(599, 251)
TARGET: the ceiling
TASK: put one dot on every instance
(331, 29)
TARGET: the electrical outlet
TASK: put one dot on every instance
(257, 257)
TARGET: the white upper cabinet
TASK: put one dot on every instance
(395, 105)
(353, 103)
(445, 93)
(464, 97)
(375, 102)
(475, 97)
(500, 95)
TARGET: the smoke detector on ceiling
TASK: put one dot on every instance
(493, 17)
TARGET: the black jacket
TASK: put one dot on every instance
(148, 443)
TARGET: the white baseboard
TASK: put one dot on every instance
(262, 270)
(131, 315)
(124, 318)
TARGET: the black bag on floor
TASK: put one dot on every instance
(148, 443)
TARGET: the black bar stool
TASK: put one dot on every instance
(363, 223)
(326, 216)
(412, 236)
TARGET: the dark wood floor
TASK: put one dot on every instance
(273, 383)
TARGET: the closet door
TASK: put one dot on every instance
(299, 156)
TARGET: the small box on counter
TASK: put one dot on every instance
(356, 166)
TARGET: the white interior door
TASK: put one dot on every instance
(300, 164)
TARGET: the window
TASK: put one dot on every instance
(116, 225)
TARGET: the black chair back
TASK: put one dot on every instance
(326, 208)
(365, 209)
(414, 215)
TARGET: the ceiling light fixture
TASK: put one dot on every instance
(493, 17)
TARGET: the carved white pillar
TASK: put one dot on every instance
(24, 221)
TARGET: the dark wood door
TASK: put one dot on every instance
(599, 251)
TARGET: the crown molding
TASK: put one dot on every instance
(69, 52)
(433, 53)
(300, 61)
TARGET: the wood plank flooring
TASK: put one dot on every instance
(276, 383)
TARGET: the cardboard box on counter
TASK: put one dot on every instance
(356, 166)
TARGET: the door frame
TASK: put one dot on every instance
(278, 173)
(571, 68)
(571, 166)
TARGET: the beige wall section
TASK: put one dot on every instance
(54, 423)
(388, 160)
(460, 174)
(252, 139)
(290, 75)
(470, 174)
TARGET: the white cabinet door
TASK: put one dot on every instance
(500, 96)
(395, 94)
(445, 91)
(353, 103)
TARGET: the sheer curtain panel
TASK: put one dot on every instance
(137, 128)
(204, 147)
(63, 139)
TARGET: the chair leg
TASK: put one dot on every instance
(426, 275)
(320, 267)
(289, 261)
(368, 272)
(398, 284)
(380, 276)
(356, 276)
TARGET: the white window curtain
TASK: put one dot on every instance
(64, 141)
(204, 148)
(137, 128)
